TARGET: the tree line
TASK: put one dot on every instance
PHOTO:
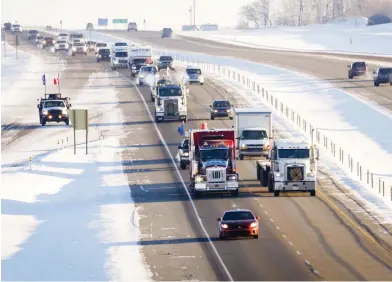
(261, 13)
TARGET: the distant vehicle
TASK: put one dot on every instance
(33, 38)
(167, 32)
(148, 72)
(103, 54)
(16, 28)
(7, 26)
(171, 103)
(49, 28)
(183, 152)
(39, 40)
(90, 46)
(48, 42)
(165, 62)
(132, 26)
(221, 108)
(89, 27)
(63, 36)
(161, 82)
(382, 76)
(32, 34)
(61, 45)
(193, 75)
(357, 69)
(76, 37)
(119, 58)
(238, 223)
(79, 48)
(53, 108)
(120, 44)
(98, 46)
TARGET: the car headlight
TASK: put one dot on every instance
(74, 48)
(133, 67)
(64, 112)
(45, 113)
(215, 111)
(228, 110)
(44, 42)
(224, 226)
(253, 224)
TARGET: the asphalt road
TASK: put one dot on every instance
(331, 68)
(302, 237)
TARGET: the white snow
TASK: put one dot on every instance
(66, 216)
(350, 36)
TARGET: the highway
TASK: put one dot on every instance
(333, 69)
(301, 237)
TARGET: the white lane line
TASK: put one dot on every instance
(298, 253)
(290, 243)
(277, 227)
(284, 236)
(182, 181)
(271, 220)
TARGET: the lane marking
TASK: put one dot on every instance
(230, 278)
(298, 253)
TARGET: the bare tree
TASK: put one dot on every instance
(257, 13)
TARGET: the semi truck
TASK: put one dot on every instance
(212, 164)
(253, 128)
(291, 167)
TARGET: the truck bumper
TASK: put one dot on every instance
(119, 65)
(164, 116)
(302, 186)
(221, 187)
(261, 152)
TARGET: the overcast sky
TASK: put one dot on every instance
(158, 13)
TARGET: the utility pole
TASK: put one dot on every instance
(194, 12)
(190, 15)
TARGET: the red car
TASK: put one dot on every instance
(238, 223)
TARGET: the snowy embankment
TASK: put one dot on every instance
(64, 214)
(344, 37)
(338, 117)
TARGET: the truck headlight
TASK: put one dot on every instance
(277, 174)
(232, 177)
(45, 113)
(215, 111)
(311, 174)
(244, 147)
(73, 48)
(44, 42)
(133, 67)
(199, 179)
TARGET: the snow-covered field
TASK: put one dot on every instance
(346, 37)
(64, 214)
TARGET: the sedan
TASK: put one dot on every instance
(238, 223)
(221, 109)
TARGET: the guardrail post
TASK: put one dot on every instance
(367, 176)
(383, 188)
(371, 179)
(342, 156)
(351, 161)
(360, 172)
(379, 185)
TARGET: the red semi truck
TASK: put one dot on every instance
(212, 164)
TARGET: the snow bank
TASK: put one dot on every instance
(348, 37)
(63, 215)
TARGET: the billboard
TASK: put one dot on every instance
(120, 21)
(103, 22)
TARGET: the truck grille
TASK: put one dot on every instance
(54, 113)
(295, 173)
(254, 148)
(122, 61)
(216, 175)
(171, 107)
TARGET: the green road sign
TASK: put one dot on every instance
(120, 21)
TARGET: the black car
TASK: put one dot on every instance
(135, 65)
(221, 109)
(7, 26)
(103, 55)
(48, 42)
(167, 32)
(165, 62)
(90, 46)
(183, 152)
(33, 34)
(382, 76)
(357, 69)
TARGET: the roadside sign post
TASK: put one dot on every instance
(79, 120)
(16, 44)
(119, 21)
(61, 24)
(103, 22)
(3, 39)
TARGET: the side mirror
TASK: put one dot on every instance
(257, 217)
(219, 219)
(179, 147)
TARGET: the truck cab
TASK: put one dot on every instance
(119, 58)
(212, 162)
(171, 103)
(291, 168)
(253, 129)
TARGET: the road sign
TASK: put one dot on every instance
(103, 22)
(120, 21)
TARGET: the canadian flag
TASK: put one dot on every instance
(56, 80)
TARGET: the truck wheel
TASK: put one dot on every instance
(376, 84)
(73, 54)
(67, 122)
(212, 117)
(241, 157)
(276, 193)
(231, 118)
(152, 99)
(313, 193)
(43, 122)
(235, 193)
(255, 236)
(197, 194)
(157, 120)
(185, 119)
(183, 165)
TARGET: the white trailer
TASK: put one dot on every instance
(253, 127)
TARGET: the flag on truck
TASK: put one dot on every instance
(181, 130)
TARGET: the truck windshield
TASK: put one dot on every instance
(254, 134)
(214, 154)
(293, 153)
(121, 54)
(50, 104)
(169, 92)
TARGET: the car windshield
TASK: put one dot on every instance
(193, 71)
(169, 92)
(148, 69)
(254, 134)
(221, 104)
(166, 30)
(79, 44)
(33, 31)
(80, 36)
(120, 44)
(385, 71)
(61, 41)
(293, 153)
(359, 65)
(238, 215)
(166, 58)
(104, 51)
(139, 61)
(50, 104)
(63, 34)
(214, 154)
(164, 81)
(101, 45)
(121, 54)
(48, 38)
(16, 25)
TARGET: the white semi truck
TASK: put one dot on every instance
(253, 127)
(291, 167)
